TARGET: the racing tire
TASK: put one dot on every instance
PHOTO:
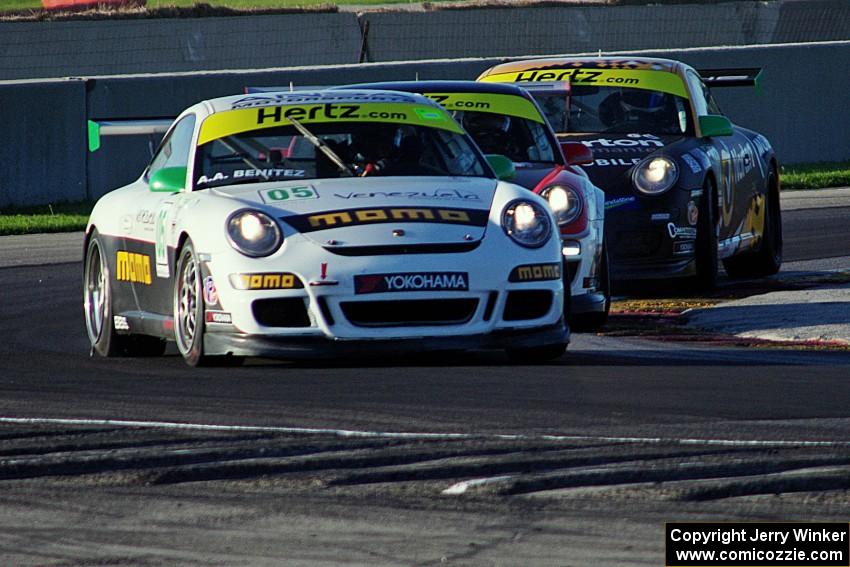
(767, 259)
(97, 307)
(537, 355)
(189, 312)
(706, 242)
(585, 322)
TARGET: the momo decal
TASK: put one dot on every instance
(352, 217)
(268, 280)
(535, 273)
(415, 281)
(132, 267)
(449, 194)
(231, 122)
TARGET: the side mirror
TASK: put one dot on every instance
(577, 153)
(714, 125)
(168, 180)
(503, 166)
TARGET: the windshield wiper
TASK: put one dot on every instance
(322, 147)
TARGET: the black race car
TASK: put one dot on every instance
(684, 186)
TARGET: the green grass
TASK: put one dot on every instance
(816, 175)
(61, 217)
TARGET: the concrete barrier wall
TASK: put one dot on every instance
(801, 107)
(43, 151)
(107, 47)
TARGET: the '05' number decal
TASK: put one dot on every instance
(289, 194)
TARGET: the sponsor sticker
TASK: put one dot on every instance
(210, 291)
(620, 202)
(120, 323)
(535, 272)
(437, 194)
(219, 317)
(266, 280)
(649, 79)
(289, 194)
(413, 281)
(616, 162)
(230, 122)
(352, 217)
(133, 267)
(693, 213)
(693, 164)
(681, 231)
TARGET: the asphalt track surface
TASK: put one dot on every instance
(577, 462)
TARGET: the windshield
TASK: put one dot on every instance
(615, 109)
(365, 148)
(519, 139)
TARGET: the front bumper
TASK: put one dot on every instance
(240, 344)
(654, 238)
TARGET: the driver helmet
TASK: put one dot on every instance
(639, 101)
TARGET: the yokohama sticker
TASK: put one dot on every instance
(425, 281)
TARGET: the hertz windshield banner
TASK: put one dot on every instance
(757, 544)
(510, 105)
(652, 80)
(230, 122)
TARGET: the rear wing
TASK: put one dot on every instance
(743, 77)
(98, 128)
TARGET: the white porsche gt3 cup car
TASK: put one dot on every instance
(304, 224)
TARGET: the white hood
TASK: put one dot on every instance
(376, 211)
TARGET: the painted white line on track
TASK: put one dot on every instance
(420, 435)
(461, 487)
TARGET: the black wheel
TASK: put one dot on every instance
(594, 321)
(767, 259)
(706, 243)
(536, 355)
(189, 312)
(97, 307)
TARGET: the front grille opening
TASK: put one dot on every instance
(409, 312)
(281, 312)
(634, 243)
(527, 304)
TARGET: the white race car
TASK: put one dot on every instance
(297, 224)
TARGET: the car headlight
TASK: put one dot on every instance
(655, 175)
(527, 223)
(564, 201)
(253, 233)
